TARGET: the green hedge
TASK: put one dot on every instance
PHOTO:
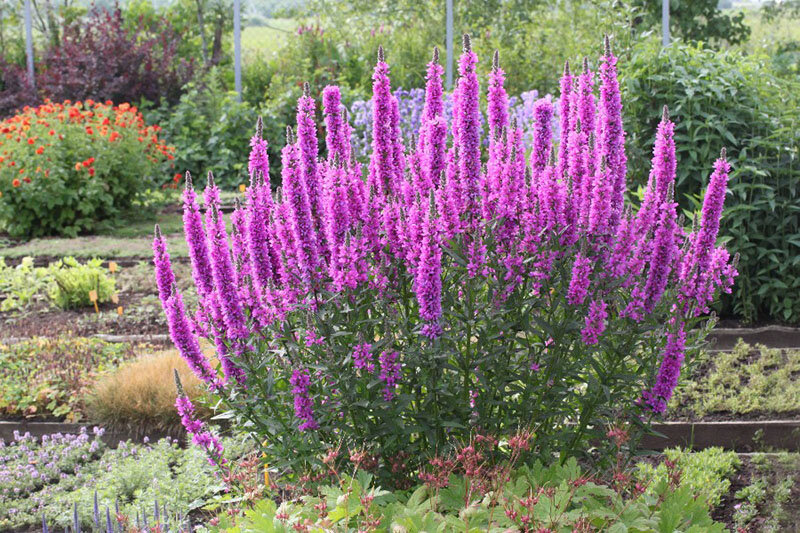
(726, 99)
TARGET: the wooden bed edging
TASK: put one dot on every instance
(737, 435)
(38, 429)
(740, 436)
(773, 336)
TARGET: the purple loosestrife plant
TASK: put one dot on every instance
(419, 306)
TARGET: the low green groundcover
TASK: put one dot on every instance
(750, 381)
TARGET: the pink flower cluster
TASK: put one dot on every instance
(333, 226)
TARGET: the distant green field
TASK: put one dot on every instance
(765, 35)
(266, 40)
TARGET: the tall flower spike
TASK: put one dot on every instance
(564, 119)
(664, 250)
(335, 131)
(309, 150)
(700, 284)
(428, 274)
(259, 242)
(196, 428)
(164, 275)
(180, 331)
(259, 159)
(497, 100)
(542, 139)
(467, 138)
(662, 174)
(303, 404)
(224, 276)
(382, 164)
(196, 240)
(300, 220)
(669, 372)
(611, 139)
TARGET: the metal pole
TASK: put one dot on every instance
(665, 22)
(449, 44)
(29, 42)
(237, 48)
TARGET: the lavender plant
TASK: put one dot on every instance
(396, 308)
(412, 103)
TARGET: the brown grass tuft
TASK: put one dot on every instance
(139, 397)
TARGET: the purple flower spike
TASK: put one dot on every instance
(497, 99)
(579, 284)
(390, 373)
(259, 159)
(467, 133)
(669, 372)
(382, 164)
(303, 404)
(362, 358)
(180, 331)
(196, 241)
(196, 428)
(542, 140)
(595, 322)
(564, 118)
(165, 279)
(611, 137)
(309, 150)
(428, 275)
(664, 251)
(335, 140)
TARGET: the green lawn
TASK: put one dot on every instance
(266, 40)
(766, 35)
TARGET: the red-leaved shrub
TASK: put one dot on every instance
(15, 89)
(100, 58)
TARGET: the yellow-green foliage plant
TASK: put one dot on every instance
(73, 282)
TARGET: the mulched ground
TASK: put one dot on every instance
(138, 318)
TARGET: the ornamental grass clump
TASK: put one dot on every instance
(444, 288)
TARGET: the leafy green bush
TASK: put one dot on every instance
(73, 281)
(727, 99)
(705, 474)
(67, 167)
(51, 376)
(536, 498)
(210, 131)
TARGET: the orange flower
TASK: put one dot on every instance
(40, 150)
(141, 139)
(26, 179)
(90, 160)
(52, 132)
(87, 163)
(89, 130)
(31, 141)
(77, 166)
(15, 183)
